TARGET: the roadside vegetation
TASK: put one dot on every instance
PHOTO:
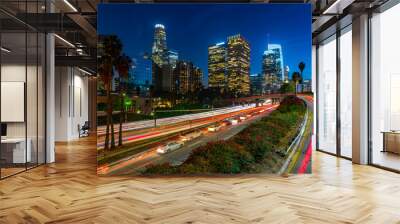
(131, 116)
(113, 60)
(261, 147)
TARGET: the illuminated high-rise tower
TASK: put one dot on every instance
(268, 71)
(287, 70)
(172, 58)
(195, 80)
(256, 82)
(272, 68)
(182, 72)
(276, 50)
(188, 77)
(159, 50)
(238, 65)
(217, 66)
(161, 71)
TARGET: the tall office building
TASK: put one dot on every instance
(268, 71)
(188, 77)
(217, 66)
(163, 62)
(173, 57)
(159, 58)
(195, 80)
(238, 65)
(272, 68)
(256, 84)
(168, 79)
(159, 49)
(182, 73)
(286, 78)
(276, 50)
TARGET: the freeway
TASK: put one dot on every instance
(301, 162)
(101, 130)
(141, 130)
(134, 163)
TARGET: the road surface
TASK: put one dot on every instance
(136, 162)
(101, 130)
(167, 126)
(303, 161)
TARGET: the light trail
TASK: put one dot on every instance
(306, 160)
(101, 130)
(148, 155)
(180, 125)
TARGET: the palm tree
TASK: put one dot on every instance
(112, 49)
(104, 70)
(296, 77)
(302, 65)
(122, 65)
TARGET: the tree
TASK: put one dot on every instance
(302, 65)
(105, 76)
(112, 47)
(122, 65)
(296, 77)
(287, 88)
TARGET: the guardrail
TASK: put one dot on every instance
(295, 143)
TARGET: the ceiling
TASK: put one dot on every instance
(75, 21)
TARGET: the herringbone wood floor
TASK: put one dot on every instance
(70, 192)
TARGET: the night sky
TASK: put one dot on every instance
(191, 28)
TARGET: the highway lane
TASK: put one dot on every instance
(137, 134)
(101, 130)
(303, 163)
(179, 156)
(136, 162)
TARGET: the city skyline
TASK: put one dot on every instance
(192, 44)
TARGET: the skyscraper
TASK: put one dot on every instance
(276, 50)
(159, 58)
(272, 68)
(163, 62)
(256, 82)
(159, 49)
(195, 80)
(168, 79)
(287, 70)
(238, 65)
(268, 71)
(172, 58)
(182, 73)
(188, 77)
(217, 66)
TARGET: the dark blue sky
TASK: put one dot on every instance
(191, 28)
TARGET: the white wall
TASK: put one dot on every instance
(33, 127)
(71, 102)
(16, 73)
(12, 73)
(80, 111)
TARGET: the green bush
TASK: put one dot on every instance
(259, 147)
(164, 169)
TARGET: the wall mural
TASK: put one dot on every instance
(202, 89)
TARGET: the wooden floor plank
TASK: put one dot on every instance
(69, 191)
